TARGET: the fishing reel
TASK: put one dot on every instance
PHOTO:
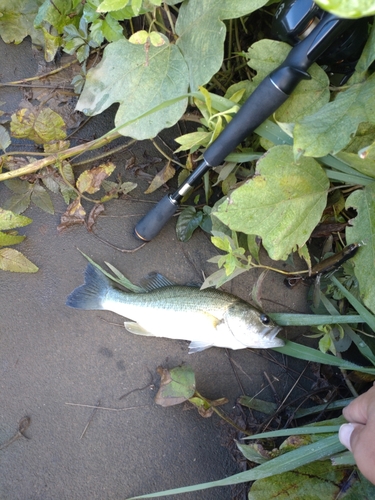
(316, 36)
(295, 20)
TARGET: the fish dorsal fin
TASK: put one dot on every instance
(153, 281)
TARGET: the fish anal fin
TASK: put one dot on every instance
(198, 345)
(137, 329)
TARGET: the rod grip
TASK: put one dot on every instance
(153, 222)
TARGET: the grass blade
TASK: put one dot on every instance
(287, 319)
(321, 429)
(335, 405)
(308, 354)
(284, 463)
(366, 315)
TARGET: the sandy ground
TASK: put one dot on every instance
(52, 357)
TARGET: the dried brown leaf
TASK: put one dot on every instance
(90, 180)
(93, 215)
(161, 178)
(75, 214)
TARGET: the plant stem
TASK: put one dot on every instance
(222, 415)
(33, 167)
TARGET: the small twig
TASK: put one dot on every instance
(123, 250)
(90, 420)
(148, 385)
(38, 77)
(23, 425)
(235, 372)
(172, 160)
(105, 408)
(104, 155)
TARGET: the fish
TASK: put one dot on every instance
(207, 318)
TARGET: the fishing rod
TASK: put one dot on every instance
(311, 31)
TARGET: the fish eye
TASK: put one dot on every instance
(265, 319)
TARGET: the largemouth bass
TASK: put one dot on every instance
(206, 318)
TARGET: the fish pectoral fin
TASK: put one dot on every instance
(198, 345)
(137, 329)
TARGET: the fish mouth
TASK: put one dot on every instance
(271, 338)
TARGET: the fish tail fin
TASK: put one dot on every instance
(92, 294)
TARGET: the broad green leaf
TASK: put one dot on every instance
(10, 220)
(16, 20)
(364, 165)
(330, 129)
(309, 95)
(282, 203)
(140, 78)
(176, 386)
(314, 481)
(108, 5)
(10, 239)
(18, 203)
(348, 8)
(41, 125)
(202, 33)
(14, 261)
(188, 221)
(41, 198)
(4, 138)
(362, 228)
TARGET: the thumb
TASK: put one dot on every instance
(345, 433)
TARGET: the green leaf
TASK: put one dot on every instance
(4, 138)
(56, 13)
(310, 482)
(193, 141)
(15, 262)
(108, 5)
(202, 33)
(362, 228)
(40, 125)
(9, 220)
(282, 203)
(188, 221)
(16, 20)
(10, 239)
(140, 79)
(309, 95)
(265, 407)
(41, 198)
(18, 203)
(365, 165)
(348, 8)
(330, 129)
(176, 386)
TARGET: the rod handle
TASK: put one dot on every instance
(153, 222)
